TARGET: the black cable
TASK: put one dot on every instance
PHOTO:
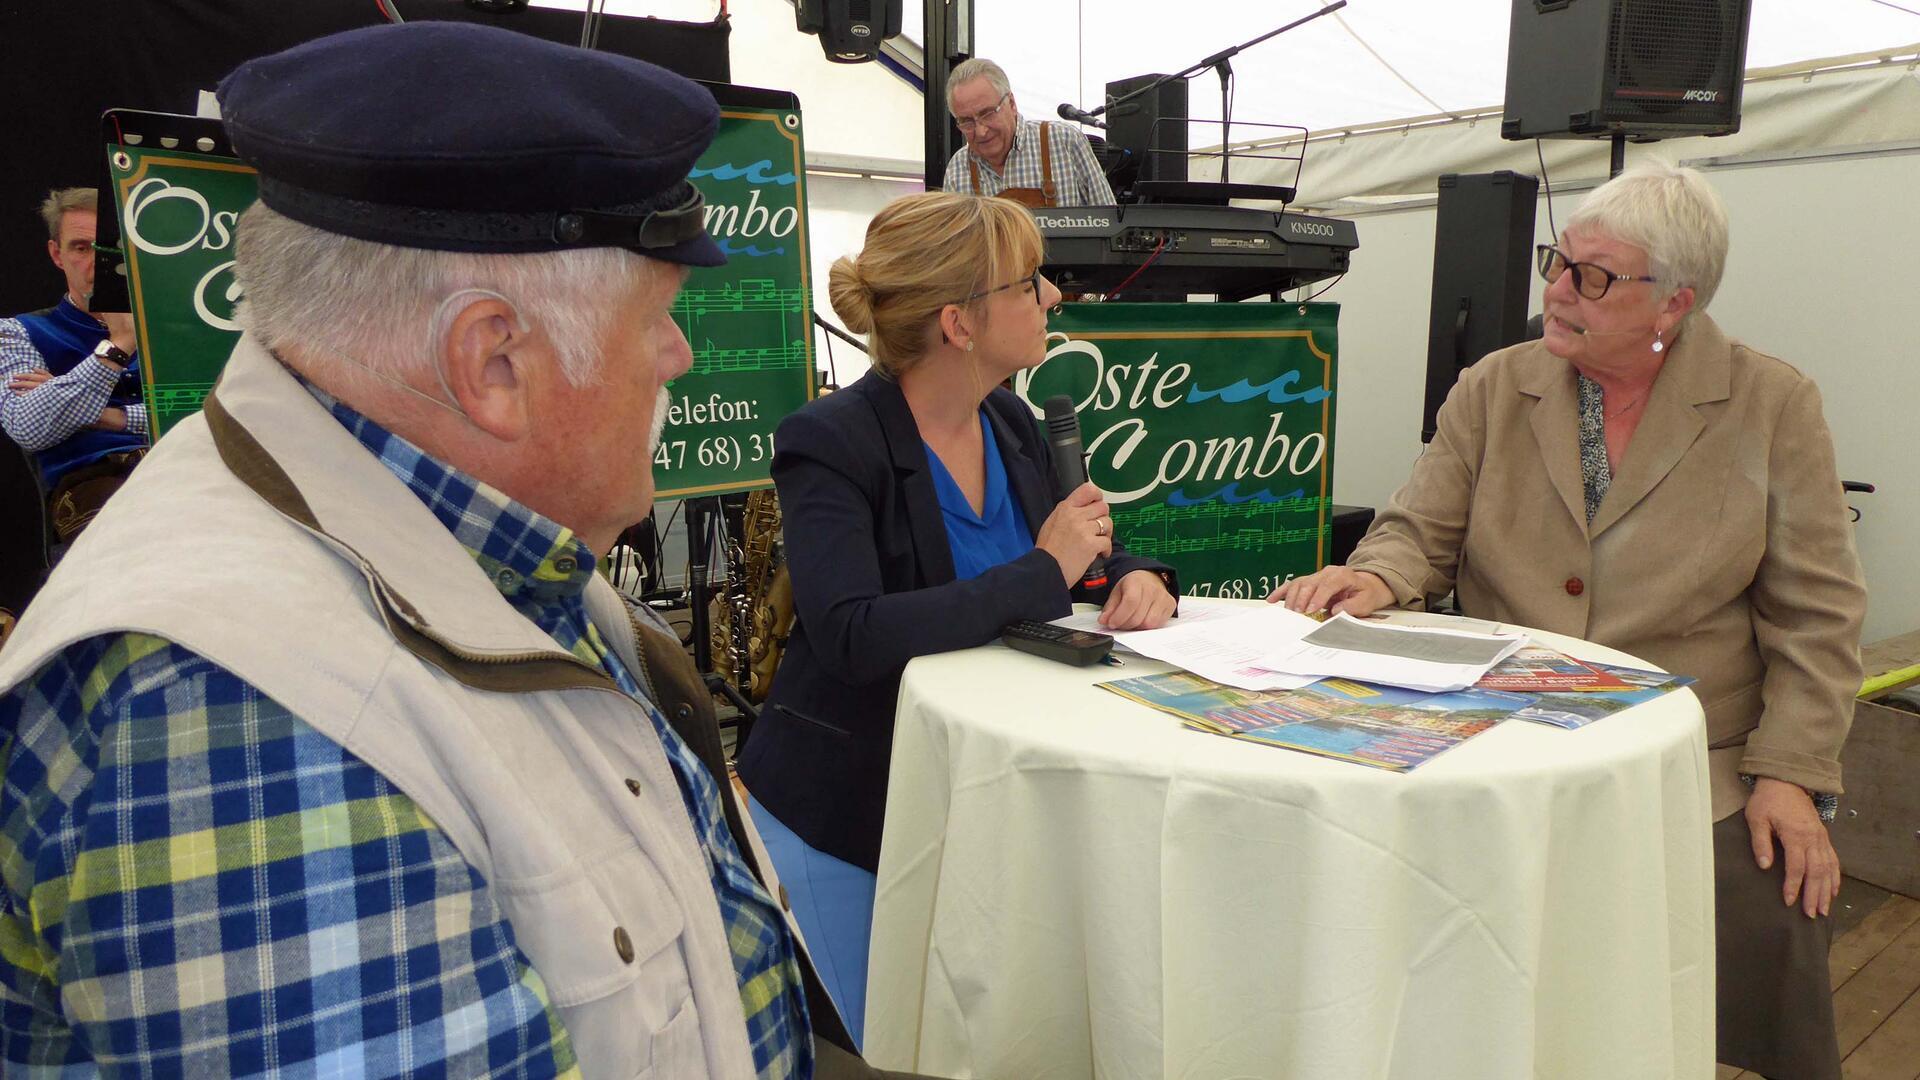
(1324, 288)
(1896, 7)
(1548, 184)
(1141, 269)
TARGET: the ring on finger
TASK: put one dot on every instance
(1100, 526)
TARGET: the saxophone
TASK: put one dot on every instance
(752, 618)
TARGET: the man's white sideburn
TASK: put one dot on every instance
(661, 404)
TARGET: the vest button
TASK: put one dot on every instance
(623, 944)
(1575, 586)
(633, 785)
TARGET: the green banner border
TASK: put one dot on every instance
(130, 253)
(776, 117)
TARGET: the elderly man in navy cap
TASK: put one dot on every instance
(373, 775)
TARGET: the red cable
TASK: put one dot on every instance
(1118, 289)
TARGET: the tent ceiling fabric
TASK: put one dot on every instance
(1321, 75)
(1348, 69)
(1860, 107)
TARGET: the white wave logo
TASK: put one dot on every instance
(206, 231)
(230, 296)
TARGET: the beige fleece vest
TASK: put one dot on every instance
(264, 537)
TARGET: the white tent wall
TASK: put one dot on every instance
(838, 210)
(850, 109)
(859, 110)
(1812, 278)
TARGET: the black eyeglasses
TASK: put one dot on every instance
(1032, 279)
(968, 123)
(1590, 280)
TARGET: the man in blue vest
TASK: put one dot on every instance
(72, 393)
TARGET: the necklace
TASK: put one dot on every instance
(1628, 407)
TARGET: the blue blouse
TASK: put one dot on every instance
(996, 535)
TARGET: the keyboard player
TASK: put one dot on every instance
(1034, 163)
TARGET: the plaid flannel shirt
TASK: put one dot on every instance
(1077, 178)
(196, 881)
(53, 411)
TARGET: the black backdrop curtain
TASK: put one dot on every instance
(63, 62)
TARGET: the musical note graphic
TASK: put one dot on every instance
(1159, 530)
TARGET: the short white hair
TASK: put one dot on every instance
(1670, 213)
(977, 68)
(331, 295)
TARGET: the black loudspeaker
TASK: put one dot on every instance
(1482, 236)
(1350, 524)
(850, 30)
(1633, 67)
(1150, 131)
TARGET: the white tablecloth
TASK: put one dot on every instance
(1072, 885)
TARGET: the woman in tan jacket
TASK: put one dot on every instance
(1640, 480)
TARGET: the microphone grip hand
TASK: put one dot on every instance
(1078, 532)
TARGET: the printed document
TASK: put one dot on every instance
(1419, 658)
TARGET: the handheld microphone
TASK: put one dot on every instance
(1070, 467)
(1068, 112)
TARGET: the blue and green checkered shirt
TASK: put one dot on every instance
(195, 881)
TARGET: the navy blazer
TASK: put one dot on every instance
(873, 587)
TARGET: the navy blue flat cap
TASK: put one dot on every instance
(459, 137)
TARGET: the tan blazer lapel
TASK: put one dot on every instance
(1696, 372)
(1556, 426)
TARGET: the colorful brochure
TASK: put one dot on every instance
(1386, 727)
(1536, 669)
(1577, 710)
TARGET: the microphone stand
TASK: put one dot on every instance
(1219, 62)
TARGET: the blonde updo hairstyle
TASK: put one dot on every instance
(923, 253)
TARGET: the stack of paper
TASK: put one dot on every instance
(1267, 647)
(1226, 644)
(1418, 658)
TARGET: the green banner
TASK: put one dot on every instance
(750, 322)
(177, 213)
(1209, 427)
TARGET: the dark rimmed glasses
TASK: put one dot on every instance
(968, 123)
(1032, 279)
(1590, 280)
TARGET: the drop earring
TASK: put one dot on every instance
(1658, 345)
(969, 346)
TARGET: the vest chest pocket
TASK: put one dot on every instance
(604, 934)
